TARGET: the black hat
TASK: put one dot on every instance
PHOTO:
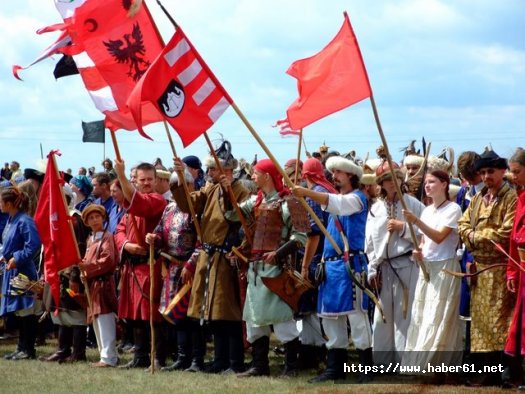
(67, 177)
(30, 173)
(490, 159)
(192, 162)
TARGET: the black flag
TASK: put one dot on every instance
(64, 67)
(94, 131)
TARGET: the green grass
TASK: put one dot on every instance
(35, 376)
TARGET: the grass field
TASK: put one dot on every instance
(39, 377)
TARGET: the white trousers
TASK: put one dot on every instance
(390, 337)
(284, 331)
(337, 333)
(106, 332)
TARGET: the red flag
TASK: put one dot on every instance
(329, 81)
(54, 226)
(182, 88)
(285, 129)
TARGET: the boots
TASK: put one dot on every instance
(27, 338)
(365, 359)
(260, 363)
(65, 341)
(141, 338)
(512, 375)
(310, 356)
(236, 347)
(334, 366)
(221, 350)
(199, 350)
(183, 352)
(291, 358)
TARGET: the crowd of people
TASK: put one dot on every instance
(413, 263)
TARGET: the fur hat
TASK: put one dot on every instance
(345, 165)
(93, 208)
(413, 160)
(369, 169)
(163, 174)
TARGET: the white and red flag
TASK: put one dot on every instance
(183, 90)
(54, 226)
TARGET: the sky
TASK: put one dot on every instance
(452, 71)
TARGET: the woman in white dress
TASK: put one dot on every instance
(434, 335)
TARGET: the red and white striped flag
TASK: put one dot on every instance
(182, 88)
(284, 128)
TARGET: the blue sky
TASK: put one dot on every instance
(452, 71)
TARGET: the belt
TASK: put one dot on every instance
(211, 248)
(137, 259)
(408, 253)
(342, 256)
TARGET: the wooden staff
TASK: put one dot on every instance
(270, 156)
(286, 178)
(298, 156)
(151, 310)
(233, 199)
(182, 178)
(398, 188)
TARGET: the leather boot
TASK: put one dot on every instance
(236, 348)
(27, 338)
(260, 364)
(365, 359)
(334, 366)
(183, 352)
(291, 358)
(141, 339)
(65, 340)
(308, 357)
(221, 360)
(198, 350)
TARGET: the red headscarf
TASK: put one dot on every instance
(313, 169)
(267, 166)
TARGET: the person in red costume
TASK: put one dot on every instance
(515, 345)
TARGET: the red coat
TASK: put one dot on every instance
(517, 238)
(146, 210)
(99, 264)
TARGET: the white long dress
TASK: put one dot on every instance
(435, 334)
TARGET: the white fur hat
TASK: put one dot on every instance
(345, 165)
(413, 160)
(210, 162)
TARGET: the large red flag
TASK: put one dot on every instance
(329, 81)
(54, 226)
(182, 88)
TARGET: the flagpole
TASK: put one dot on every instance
(286, 178)
(298, 155)
(398, 188)
(184, 185)
(306, 149)
(151, 309)
(84, 281)
(233, 199)
(270, 156)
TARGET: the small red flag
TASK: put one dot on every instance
(182, 88)
(329, 81)
(53, 222)
(285, 129)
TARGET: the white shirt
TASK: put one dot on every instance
(446, 216)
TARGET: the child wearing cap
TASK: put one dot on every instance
(97, 268)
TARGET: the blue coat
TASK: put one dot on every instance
(20, 240)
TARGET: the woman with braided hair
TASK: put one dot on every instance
(20, 244)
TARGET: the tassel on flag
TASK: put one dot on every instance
(285, 129)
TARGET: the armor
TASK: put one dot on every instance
(268, 227)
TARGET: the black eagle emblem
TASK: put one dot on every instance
(130, 50)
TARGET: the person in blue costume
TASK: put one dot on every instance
(82, 187)
(339, 299)
(20, 244)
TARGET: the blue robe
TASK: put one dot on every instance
(21, 241)
(337, 295)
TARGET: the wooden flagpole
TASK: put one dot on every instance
(298, 156)
(151, 309)
(184, 185)
(233, 199)
(398, 188)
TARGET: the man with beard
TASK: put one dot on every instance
(490, 217)
(144, 209)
